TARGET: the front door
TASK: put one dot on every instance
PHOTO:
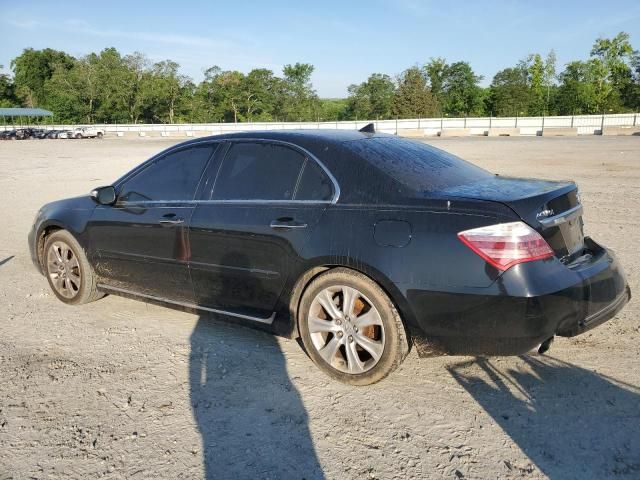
(141, 243)
(248, 230)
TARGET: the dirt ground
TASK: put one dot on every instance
(120, 389)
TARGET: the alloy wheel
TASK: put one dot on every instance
(346, 329)
(63, 269)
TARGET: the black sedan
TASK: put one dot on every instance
(359, 243)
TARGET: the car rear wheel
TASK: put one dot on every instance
(78, 135)
(99, 135)
(69, 274)
(350, 328)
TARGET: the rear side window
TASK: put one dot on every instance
(314, 183)
(418, 166)
(258, 171)
(171, 177)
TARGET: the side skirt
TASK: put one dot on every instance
(187, 305)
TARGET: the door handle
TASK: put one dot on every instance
(170, 219)
(286, 224)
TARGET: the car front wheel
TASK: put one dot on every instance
(68, 271)
(350, 328)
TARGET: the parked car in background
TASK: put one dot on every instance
(64, 134)
(24, 133)
(40, 133)
(88, 132)
(358, 243)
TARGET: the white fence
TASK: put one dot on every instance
(568, 125)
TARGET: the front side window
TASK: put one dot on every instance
(172, 177)
(258, 171)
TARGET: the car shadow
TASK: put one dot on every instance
(570, 422)
(250, 416)
(5, 260)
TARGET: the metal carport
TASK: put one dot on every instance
(23, 113)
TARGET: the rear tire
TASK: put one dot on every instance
(68, 271)
(350, 327)
(78, 136)
(100, 135)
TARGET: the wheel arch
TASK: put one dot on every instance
(45, 230)
(310, 272)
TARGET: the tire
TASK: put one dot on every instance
(358, 348)
(78, 136)
(100, 135)
(73, 280)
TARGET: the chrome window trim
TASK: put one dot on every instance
(307, 153)
(127, 176)
(268, 320)
(224, 202)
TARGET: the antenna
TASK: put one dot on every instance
(368, 128)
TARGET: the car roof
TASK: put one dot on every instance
(326, 135)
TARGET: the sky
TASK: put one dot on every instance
(345, 40)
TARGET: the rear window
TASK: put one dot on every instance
(416, 165)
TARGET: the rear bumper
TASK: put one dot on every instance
(529, 304)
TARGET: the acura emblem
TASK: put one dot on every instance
(544, 214)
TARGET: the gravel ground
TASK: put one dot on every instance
(120, 389)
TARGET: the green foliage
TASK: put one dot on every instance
(334, 109)
(112, 88)
(7, 91)
(413, 98)
(509, 93)
(371, 99)
(300, 102)
(33, 68)
(455, 88)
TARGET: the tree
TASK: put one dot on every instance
(167, 90)
(230, 87)
(110, 87)
(632, 91)
(536, 76)
(32, 68)
(7, 91)
(301, 101)
(461, 93)
(135, 89)
(615, 54)
(334, 109)
(371, 99)
(509, 93)
(549, 76)
(413, 98)
(614, 59)
(260, 91)
(582, 89)
(73, 92)
(436, 71)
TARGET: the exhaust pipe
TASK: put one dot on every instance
(546, 345)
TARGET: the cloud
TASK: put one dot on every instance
(24, 24)
(79, 26)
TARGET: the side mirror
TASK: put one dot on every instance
(104, 195)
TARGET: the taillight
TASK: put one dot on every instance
(506, 244)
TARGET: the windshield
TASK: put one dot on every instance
(416, 165)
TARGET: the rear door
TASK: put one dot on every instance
(141, 243)
(250, 226)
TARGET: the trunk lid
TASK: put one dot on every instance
(552, 208)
